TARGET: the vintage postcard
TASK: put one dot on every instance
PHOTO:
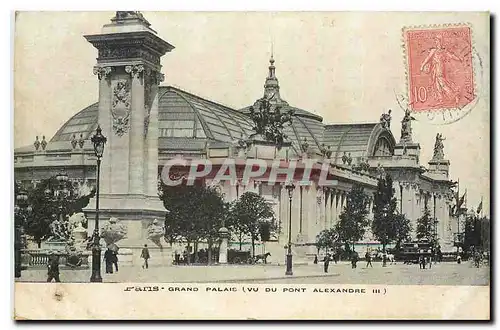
(251, 165)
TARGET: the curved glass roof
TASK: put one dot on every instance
(180, 115)
(188, 122)
(83, 123)
(184, 115)
(352, 138)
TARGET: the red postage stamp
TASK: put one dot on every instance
(440, 69)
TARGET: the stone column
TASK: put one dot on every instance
(152, 81)
(283, 213)
(334, 207)
(136, 156)
(326, 222)
(104, 119)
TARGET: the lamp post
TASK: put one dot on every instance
(19, 218)
(98, 140)
(290, 187)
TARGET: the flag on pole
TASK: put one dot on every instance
(461, 201)
(480, 207)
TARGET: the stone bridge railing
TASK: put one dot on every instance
(40, 258)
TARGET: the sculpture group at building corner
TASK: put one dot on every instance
(439, 147)
(385, 120)
(406, 131)
(270, 121)
(76, 242)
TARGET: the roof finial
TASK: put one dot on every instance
(272, 68)
(272, 50)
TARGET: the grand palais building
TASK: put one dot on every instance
(147, 123)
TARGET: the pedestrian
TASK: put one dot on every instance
(108, 260)
(315, 259)
(368, 258)
(115, 260)
(459, 259)
(177, 257)
(354, 259)
(326, 263)
(420, 261)
(145, 255)
(53, 268)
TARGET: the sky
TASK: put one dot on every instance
(345, 67)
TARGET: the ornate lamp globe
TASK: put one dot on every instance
(98, 140)
(62, 177)
(22, 198)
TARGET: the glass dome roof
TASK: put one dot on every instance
(180, 115)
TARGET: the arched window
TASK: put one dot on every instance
(383, 148)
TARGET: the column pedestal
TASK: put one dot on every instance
(224, 235)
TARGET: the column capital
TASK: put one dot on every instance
(102, 72)
(159, 77)
(135, 71)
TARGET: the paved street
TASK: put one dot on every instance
(398, 274)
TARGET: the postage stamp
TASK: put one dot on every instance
(440, 65)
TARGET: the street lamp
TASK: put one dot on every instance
(290, 187)
(19, 208)
(98, 140)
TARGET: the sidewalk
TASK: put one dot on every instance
(183, 274)
(398, 274)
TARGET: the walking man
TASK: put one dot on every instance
(115, 260)
(108, 260)
(53, 268)
(368, 258)
(326, 263)
(145, 255)
(354, 259)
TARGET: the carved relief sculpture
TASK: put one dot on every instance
(113, 231)
(121, 107)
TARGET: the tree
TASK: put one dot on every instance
(402, 229)
(327, 239)
(476, 232)
(354, 217)
(236, 226)
(196, 213)
(425, 226)
(250, 213)
(384, 211)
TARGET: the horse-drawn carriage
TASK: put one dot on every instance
(245, 257)
(412, 253)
